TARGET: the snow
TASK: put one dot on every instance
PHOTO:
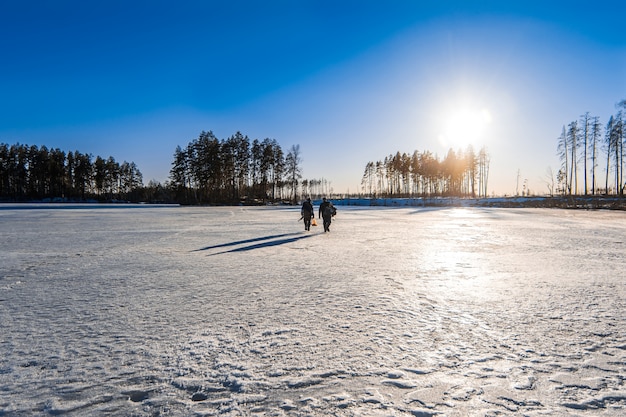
(237, 311)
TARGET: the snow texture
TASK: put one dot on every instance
(237, 311)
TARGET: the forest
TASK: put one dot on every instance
(31, 173)
(238, 170)
(207, 171)
(591, 163)
(459, 174)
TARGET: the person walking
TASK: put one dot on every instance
(326, 211)
(307, 213)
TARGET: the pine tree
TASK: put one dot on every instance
(585, 133)
(573, 140)
(293, 170)
(608, 141)
(596, 133)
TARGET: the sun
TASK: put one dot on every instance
(464, 125)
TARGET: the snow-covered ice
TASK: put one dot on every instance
(237, 311)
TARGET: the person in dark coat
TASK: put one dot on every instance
(307, 213)
(326, 211)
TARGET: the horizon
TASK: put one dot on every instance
(350, 82)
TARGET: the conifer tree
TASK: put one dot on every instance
(293, 170)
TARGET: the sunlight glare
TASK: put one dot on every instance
(463, 126)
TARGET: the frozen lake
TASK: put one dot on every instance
(239, 312)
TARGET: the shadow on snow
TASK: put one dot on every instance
(264, 242)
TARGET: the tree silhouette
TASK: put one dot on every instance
(292, 170)
(39, 173)
(423, 174)
(210, 171)
(586, 135)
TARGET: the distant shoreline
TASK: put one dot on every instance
(35, 205)
(560, 202)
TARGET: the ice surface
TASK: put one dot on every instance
(239, 311)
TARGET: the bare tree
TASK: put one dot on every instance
(563, 152)
(620, 136)
(549, 179)
(609, 139)
(585, 131)
(596, 133)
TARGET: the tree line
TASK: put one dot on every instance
(461, 173)
(38, 173)
(585, 145)
(207, 171)
(235, 170)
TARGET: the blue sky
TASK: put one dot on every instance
(349, 81)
